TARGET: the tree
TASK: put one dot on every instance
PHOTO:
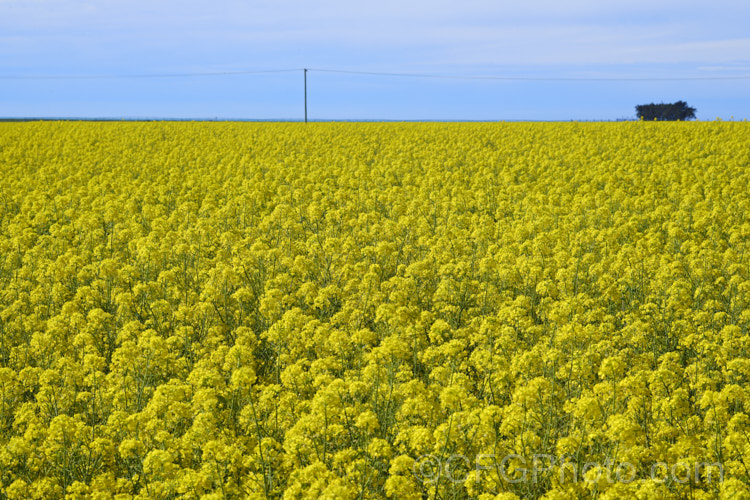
(665, 112)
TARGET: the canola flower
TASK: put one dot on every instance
(236, 310)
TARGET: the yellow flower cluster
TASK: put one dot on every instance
(237, 310)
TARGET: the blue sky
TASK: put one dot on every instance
(536, 38)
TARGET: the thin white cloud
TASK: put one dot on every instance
(595, 47)
(726, 68)
(718, 51)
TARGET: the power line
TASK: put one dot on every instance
(529, 78)
(145, 75)
(370, 73)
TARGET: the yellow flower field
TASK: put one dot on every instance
(370, 310)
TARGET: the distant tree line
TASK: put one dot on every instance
(665, 111)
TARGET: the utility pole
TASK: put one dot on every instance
(305, 95)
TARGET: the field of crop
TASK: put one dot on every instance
(507, 310)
